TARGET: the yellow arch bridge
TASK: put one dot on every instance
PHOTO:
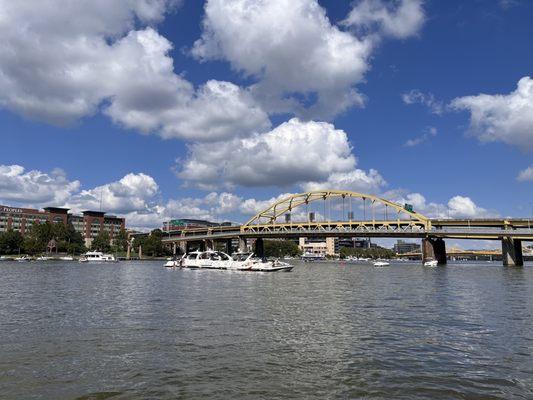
(340, 213)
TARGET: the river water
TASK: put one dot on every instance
(135, 330)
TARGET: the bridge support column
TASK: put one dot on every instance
(229, 246)
(174, 249)
(512, 252)
(140, 252)
(183, 247)
(434, 249)
(259, 247)
(209, 244)
(242, 244)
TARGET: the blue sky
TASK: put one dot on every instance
(156, 144)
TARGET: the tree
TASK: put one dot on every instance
(120, 241)
(376, 252)
(281, 248)
(10, 242)
(102, 241)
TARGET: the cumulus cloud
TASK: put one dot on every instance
(456, 207)
(34, 187)
(399, 18)
(60, 64)
(356, 180)
(291, 48)
(415, 96)
(507, 118)
(526, 174)
(294, 152)
(131, 193)
(430, 132)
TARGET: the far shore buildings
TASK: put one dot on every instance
(89, 224)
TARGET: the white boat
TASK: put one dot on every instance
(312, 257)
(66, 258)
(44, 258)
(23, 259)
(173, 263)
(97, 256)
(381, 264)
(248, 262)
(431, 263)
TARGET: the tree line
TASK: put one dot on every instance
(67, 240)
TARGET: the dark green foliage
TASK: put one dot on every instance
(102, 242)
(10, 242)
(378, 252)
(120, 241)
(66, 237)
(152, 244)
(281, 248)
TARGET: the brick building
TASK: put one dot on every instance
(89, 224)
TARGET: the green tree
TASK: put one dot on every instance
(10, 242)
(120, 241)
(281, 248)
(102, 241)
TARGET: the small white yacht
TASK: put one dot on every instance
(43, 258)
(97, 256)
(381, 264)
(248, 262)
(23, 259)
(431, 263)
(66, 258)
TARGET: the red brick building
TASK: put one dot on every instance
(89, 224)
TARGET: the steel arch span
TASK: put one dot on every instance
(269, 217)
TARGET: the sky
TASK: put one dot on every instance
(158, 109)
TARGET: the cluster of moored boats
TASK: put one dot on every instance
(242, 261)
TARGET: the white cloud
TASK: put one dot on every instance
(430, 132)
(294, 152)
(34, 187)
(356, 180)
(526, 174)
(134, 192)
(60, 64)
(415, 96)
(291, 48)
(456, 207)
(399, 18)
(506, 118)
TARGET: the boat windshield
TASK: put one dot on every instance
(240, 256)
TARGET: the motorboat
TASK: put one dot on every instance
(97, 256)
(313, 257)
(431, 263)
(66, 258)
(249, 262)
(381, 264)
(172, 263)
(209, 259)
(219, 260)
(23, 259)
(43, 258)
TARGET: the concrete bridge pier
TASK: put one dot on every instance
(259, 247)
(434, 249)
(183, 247)
(209, 244)
(512, 252)
(229, 246)
(242, 244)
